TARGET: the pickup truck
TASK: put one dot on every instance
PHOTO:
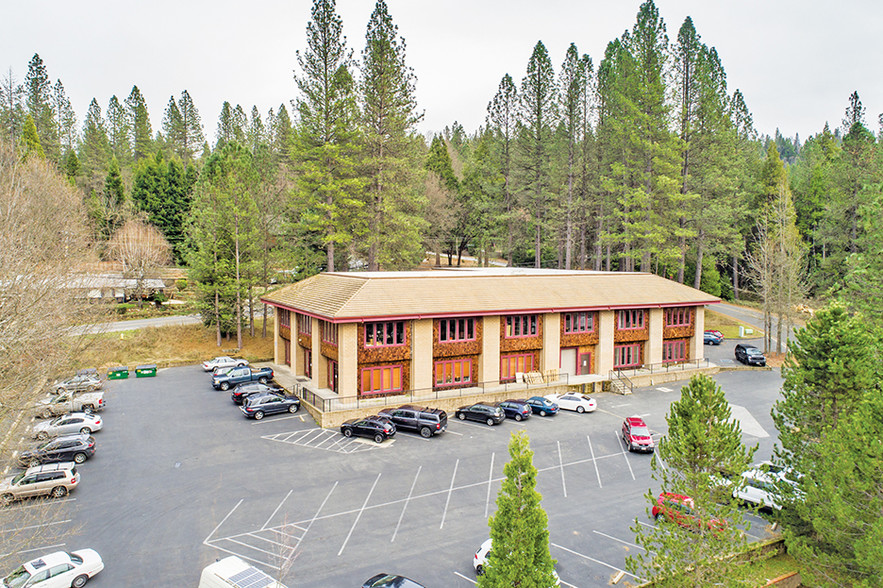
(239, 375)
(65, 403)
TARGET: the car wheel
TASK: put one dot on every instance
(7, 499)
(293, 408)
(378, 438)
(262, 380)
(79, 457)
(347, 432)
(240, 364)
(425, 432)
(580, 409)
(461, 416)
(42, 435)
(59, 491)
(490, 422)
(80, 581)
(225, 386)
(542, 413)
(258, 415)
(86, 431)
(89, 409)
(479, 570)
(59, 390)
(518, 418)
(47, 414)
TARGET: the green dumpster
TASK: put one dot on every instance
(145, 371)
(118, 373)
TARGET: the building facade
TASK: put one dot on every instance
(363, 334)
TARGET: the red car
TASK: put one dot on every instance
(636, 434)
(680, 510)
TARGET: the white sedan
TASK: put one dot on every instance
(222, 362)
(57, 570)
(578, 402)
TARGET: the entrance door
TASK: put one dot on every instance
(568, 361)
(585, 364)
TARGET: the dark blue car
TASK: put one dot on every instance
(542, 406)
(515, 409)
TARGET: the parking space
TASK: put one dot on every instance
(182, 478)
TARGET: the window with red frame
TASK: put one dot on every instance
(284, 318)
(579, 322)
(308, 363)
(510, 364)
(674, 350)
(386, 334)
(329, 332)
(453, 372)
(456, 329)
(628, 356)
(304, 324)
(522, 325)
(381, 379)
(678, 317)
(630, 319)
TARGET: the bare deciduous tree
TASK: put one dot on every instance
(142, 250)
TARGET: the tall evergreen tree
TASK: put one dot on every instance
(226, 131)
(192, 136)
(65, 118)
(256, 133)
(142, 134)
(31, 140)
(502, 119)
(391, 213)
(282, 133)
(519, 528)
(38, 100)
(119, 131)
(94, 148)
(173, 126)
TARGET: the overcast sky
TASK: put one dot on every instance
(796, 61)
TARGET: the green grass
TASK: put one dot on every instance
(728, 326)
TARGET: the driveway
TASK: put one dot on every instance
(754, 318)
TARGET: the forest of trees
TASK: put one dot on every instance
(642, 159)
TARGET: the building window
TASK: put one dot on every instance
(630, 319)
(332, 375)
(284, 318)
(381, 379)
(386, 334)
(678, 317)
(523, 325)
(308, 362)
(628, 356)
(329, 332)
(675, 350)
(454, 372)
(304, 324)
(579, 322)
(456, 329)
(510, 364)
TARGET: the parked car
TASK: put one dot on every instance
(479, 560)
(70, 402)
(238, 375)
(54, 479)
(223, 362)
(374, 427)
(750, 355)
(76, 422)
(427, 421)
(232, 571)
(258, 406)
(636, 434)
(515, 409)
(79, 383)
(576, 402)
(61, 569)
(492, 415)
(764, 485)
(679, 509)
(246, 389)
(713, 337)
(542, 406)
(390, 581)
(76, 448)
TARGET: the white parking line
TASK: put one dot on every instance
(45, 548)
(35, 526)
(39, 505)
(408, 499)
(465, 578)
(625, 456)
(321, 506)
(597, 473)
(648, 525)
(356, 522)
(597, 561)
(277, 509)
(450, 490)
(215, 530)
(263, 563)
(482, 427)
(561, 461)
(611, 537)
(285, 418)
(490, 481)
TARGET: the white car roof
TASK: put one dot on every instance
(52, 559)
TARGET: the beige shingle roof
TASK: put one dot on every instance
(358, 295)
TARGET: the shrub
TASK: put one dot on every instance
(181, 284)
(123, 307)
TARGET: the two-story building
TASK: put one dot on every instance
(363, 334)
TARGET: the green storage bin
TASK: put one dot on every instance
(145, 371)
(118, 373)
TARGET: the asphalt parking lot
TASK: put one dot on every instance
(181, 478)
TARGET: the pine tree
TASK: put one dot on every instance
(519, 528)
(192, 136)
(391, 213)
(502, 119)
(142, 134)
(38, 100)
(282, 133)
(12, 112)
(30, 140)
(65, 119)
(702, 444)
(113, 203)
(864, 281)
(119, 131)
(256, 133)
(226, 131)
(173, 127)
(94, 148)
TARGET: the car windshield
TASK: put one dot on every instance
(753, 351)
(17, 578)
(640, 431)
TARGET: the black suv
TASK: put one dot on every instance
(750, 355)
(492, 415)
(427, 421)
(263, 404)
(76, 448)
(246, 389)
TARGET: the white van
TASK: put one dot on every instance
(232, 572)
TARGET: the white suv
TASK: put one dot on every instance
(762, 485)
(55, 479)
